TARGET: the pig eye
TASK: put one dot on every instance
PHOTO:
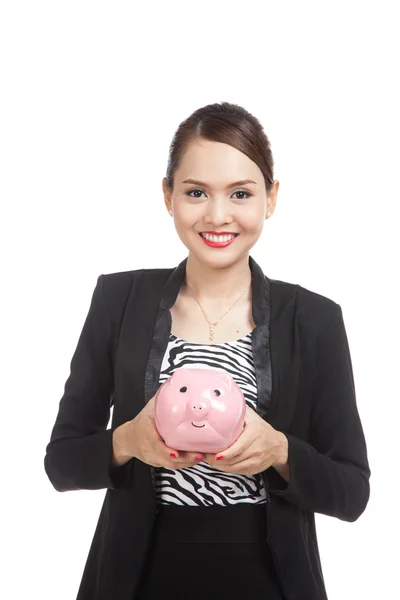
(183, 389)
(217, 392)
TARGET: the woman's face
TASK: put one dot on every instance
(214, 202)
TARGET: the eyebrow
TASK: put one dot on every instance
(231, 185)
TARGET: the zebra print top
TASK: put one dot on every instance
(201, 485)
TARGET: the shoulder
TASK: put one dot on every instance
(124, 283)
(309, 307)
(119, 283)
(119, 289)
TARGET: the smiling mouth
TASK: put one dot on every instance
(198, 425)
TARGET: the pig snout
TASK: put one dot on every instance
(197, 409)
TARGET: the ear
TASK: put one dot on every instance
(179, 376)
(225, 377)
(167, 194)
(272, 197)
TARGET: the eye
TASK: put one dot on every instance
(247, 194)
(217, 392)
(191, 191)
(183, 389)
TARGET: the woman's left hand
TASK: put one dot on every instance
(258, 447)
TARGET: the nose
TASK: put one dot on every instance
(198, 409)
(219, 212)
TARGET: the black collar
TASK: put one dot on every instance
(260, 286)
(261, 310)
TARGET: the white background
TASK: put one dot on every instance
(91, 95)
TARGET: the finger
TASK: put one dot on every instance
(183, 461)
(182, 465)
(189, 458)
(224, 458)
(171, 463)
(243, 467)
(167, 452)
(235, 451)
(194, 456)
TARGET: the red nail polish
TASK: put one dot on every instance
(220, 457)
(173, 455)
(199, 458)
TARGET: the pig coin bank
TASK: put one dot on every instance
(199, 410)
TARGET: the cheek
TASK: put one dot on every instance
(172, 409)
(253, 223)
(185, 217)
(252, 218)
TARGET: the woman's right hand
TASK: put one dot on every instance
(140, 439)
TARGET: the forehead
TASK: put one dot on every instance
(216, 164)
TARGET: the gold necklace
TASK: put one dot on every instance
(212, 325)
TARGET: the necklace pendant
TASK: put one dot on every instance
(211, 336)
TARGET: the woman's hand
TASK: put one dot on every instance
(140, 439)
(258, 447)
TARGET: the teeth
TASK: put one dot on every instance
(217, 238)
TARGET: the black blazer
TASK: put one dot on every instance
(305, 389)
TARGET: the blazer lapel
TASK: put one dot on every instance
(155, 308)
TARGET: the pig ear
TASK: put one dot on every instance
(179, 376)
(225, 377)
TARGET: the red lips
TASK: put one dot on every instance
(220, 232)
(219, 244)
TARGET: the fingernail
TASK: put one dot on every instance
(220, 457)
(199, 458)
(173, 455)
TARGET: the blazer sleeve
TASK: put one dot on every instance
(79, 453)
(330, 473)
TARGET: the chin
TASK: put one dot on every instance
(218, 260)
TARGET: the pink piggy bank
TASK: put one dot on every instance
(199, 410)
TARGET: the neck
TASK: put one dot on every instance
(218, 283)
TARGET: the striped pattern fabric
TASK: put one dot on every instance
(201, 485)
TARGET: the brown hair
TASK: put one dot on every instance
(227, 123)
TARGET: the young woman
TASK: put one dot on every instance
(196, 525)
